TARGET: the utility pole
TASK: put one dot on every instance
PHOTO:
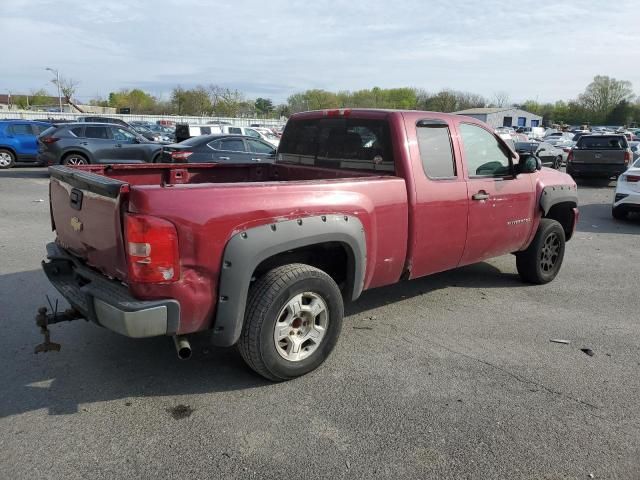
(58, 84)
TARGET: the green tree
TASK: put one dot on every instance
(193, 101)
(602, 95)
(264, 105)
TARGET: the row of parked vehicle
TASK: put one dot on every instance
(95, 140)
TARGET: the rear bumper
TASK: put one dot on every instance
(596, 169)
(108, 302)
(627, 200)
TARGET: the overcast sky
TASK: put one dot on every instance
(273, 48)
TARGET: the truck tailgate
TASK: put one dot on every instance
(86, 215)
(599, 156)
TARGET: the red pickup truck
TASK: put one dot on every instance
(263, 256)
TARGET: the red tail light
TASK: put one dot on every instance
(631, 178)
(180, 156)
(627, 157)
(49, 140)
(341, 112)
(152, 249)
(570, 157)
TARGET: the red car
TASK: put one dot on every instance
(264, 256)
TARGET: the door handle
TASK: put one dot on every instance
(224, 158)
(256, 159)
(481, 195)
(84, 143)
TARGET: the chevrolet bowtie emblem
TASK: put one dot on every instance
(76, 224)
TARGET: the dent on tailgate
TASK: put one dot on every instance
(92, 232)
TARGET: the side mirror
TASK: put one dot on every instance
(530, 165)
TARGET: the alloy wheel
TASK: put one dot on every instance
(301, 326)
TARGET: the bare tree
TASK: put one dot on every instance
(501, 99)
(67, 87)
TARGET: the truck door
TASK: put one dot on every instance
(501, 204)
(440, 218)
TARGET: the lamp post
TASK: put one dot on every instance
(58, 84)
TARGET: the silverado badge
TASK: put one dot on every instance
(76, 224)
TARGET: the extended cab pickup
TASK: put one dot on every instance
(263, 256)
(599, 156)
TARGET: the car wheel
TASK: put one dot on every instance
(156, 158)
(541, 261)
(557, 163)
(571, 172)
(292, 322)
(74, 159)
(7, 159)
(618, 213)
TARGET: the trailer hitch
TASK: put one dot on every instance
(44, 319)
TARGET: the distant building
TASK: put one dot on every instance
(504, 117)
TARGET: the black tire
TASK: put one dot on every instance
(541, 261)
(269, 295)
(156, 158)
(572, 173)
(7, 158)
(557, 163)
(619, 213)
(75, 159)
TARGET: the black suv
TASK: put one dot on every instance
(84, 143)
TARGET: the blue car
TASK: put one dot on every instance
(18, 141)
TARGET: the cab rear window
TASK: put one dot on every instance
(344, 143)
(602, 142)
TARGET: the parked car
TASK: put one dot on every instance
(627, 195)
(18, 141)
(635, 149)
(547, 153)
(84, 143)
(264, 256)
(603, 156)
(185, 131)
(150, 135)
(101, 119)
(219, 149)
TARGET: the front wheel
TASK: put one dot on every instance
(7, 159)
(292, 322)
(618, 213)
(541, 261)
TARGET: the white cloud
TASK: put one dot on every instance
(529, 49)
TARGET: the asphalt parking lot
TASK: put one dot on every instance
(451, 376)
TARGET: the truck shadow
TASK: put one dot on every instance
(480, 275)
(595, 182)
(96, 365)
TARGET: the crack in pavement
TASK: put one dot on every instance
(517, 377)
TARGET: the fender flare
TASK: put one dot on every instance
(553, 195)
(248, 248)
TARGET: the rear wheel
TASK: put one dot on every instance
(7, 159)
(75, 159)
(618, 213)
(557, 162)
(292, 322)
(541, 262)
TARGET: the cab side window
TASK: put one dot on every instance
(21, 129)
(485, 157)
(436, 152)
